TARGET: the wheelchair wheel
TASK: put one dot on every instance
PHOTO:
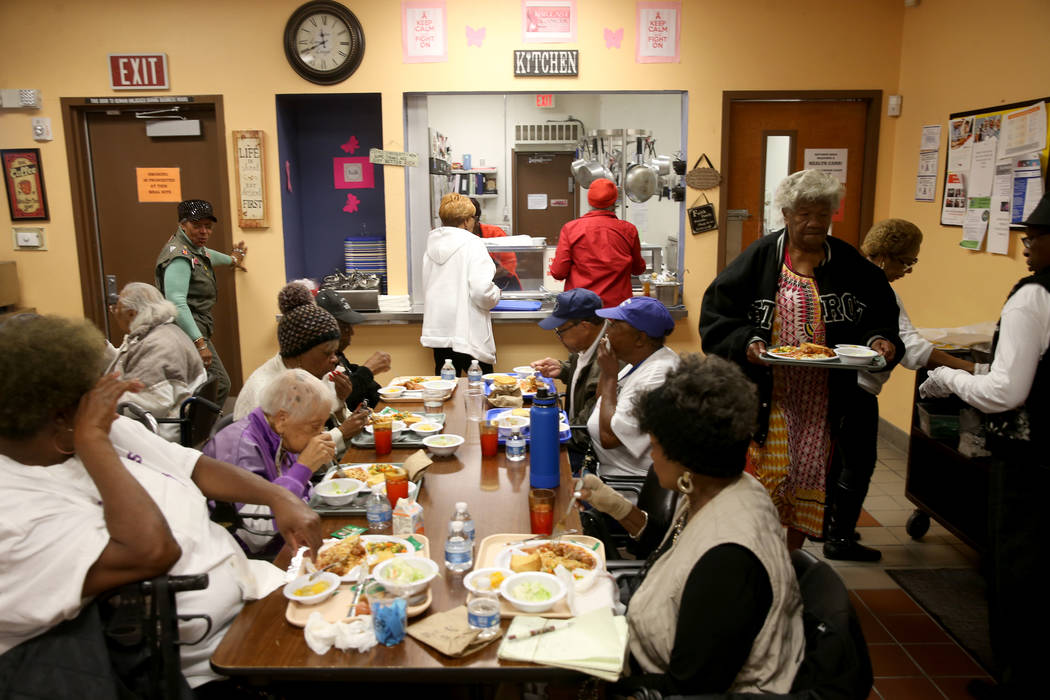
(918, 524)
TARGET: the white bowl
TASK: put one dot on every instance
(492, 375)
(425, 428)
(413, 489)
(477, 581)
(439, 385)
(855, 355)
(395, 428)
(324, 577)
(391, 392)
(427, 567)
(507, 424)
(524, 371)
(549, 581)
(338, 492)
(443, 445)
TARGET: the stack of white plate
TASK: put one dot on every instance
(366, 254)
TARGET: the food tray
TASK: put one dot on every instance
(354, 507)
(413, 396)
(875, 365)
(492, 545)
(407, 438)
(525, 394)
(563, 436)
(335, 609)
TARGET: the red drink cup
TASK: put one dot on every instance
(489, 434)
(541, 511)
(384, 437)
(396, 485)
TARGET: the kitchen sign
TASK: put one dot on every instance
(138, 71)
(546, 63)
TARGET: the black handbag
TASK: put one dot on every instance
(702, 216)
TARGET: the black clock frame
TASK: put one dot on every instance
(357, 42)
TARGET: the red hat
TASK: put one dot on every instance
(602, 193)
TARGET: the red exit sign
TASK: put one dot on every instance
(138, 71)
(545, 101)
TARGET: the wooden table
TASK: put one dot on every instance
(263, 646)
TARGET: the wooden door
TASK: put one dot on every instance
(119, 237)
(823, 121)
(546, 175)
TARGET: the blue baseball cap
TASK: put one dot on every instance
(573, 304)
(644, 313)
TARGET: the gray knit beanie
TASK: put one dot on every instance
(303, 323)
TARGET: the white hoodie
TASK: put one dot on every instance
(457, 282)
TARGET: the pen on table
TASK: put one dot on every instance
(533, 633)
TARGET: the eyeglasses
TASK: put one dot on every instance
(907, 262)
(560, 331)
(1027, 241)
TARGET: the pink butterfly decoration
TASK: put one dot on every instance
(350, 146)
(613, 39)
(475, 36)
(351, 203)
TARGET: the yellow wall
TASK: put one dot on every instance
(234, 48)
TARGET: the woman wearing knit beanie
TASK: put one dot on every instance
(308, 338)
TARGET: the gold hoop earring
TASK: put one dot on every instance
(685, 482)
(54, 442)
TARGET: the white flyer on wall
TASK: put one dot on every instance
(975, 222)
(982, 168)
(931, 138)
(536, 201)
(1024, 130)
(999, 225)
(928, 163)
(953, 208)
(1027, 187)
(829, 160)
(960, 144)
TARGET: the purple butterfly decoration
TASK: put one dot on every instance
(350, 146)
(613, 39)
(351, 203)
(475, 36)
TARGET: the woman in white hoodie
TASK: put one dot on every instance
(457, 279)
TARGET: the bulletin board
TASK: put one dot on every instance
(994, 172)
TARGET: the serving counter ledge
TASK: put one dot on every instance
(416, 315)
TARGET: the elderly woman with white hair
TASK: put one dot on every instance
(794, 286)
(156, 352)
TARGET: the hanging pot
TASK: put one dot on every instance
(662, 165)
(640, 183)
(587, 171)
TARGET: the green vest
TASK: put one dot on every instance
(202, 293)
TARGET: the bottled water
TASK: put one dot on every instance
(463, 515)
(474, 374)
(483, 615)
(515, 447)
(459, 555)
(379, 514)
(448, 371)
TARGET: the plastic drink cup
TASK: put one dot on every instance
(541, 511)
(475, 403)
(433, 399)
(389, 615)
(396, 485)
(489, 435)
(384, 437)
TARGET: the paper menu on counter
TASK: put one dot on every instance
(593, 643)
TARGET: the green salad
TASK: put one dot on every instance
(531, 592)
(402, 573)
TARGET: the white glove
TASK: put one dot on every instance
(936, 386)
(981, 368)
(605, 498)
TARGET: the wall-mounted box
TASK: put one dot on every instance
(8, 283)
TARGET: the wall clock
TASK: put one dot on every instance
(324, 42)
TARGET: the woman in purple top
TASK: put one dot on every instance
(283, 440)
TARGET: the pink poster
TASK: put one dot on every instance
(548, 21)
(351, 173)
(424, 38)
(659, 32)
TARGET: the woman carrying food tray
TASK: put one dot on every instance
(789, 288)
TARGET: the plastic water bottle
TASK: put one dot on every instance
(516, 447)
(463, 516)
(545, 463)
(379, 514)
(474, 374)
(448, 371)
(459, 555)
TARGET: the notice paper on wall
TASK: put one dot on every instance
(1027, 187)
(1024, 131)
(828, 160)
(536, 201)
(975, 222)
(954, 207)
(999, 225)
(926, 175)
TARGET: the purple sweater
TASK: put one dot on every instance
(251, 444)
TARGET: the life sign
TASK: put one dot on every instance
(546, 63)
(138, 71)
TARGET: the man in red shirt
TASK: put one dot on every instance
(598, 251)
(506, 263)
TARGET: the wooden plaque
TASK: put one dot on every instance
(249, 163)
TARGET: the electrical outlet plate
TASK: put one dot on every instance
(29, 238)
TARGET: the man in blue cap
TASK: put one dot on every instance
(579, 329)
(634, 335)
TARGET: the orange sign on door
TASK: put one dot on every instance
(159, 184)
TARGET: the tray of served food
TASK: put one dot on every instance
(400, 564)
(372, 475)
(521, 568)
(507, 419)
(842, 356)
(408, 428)
(410, 389)
(527, 385)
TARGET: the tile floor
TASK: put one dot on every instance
(911, 655)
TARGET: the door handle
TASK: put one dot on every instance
(572, 183)
(111, 290)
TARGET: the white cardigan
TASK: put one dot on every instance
(458, 288)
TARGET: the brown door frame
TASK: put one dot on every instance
(74, 116)
(873, 98)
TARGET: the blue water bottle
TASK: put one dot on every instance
(545, 461)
